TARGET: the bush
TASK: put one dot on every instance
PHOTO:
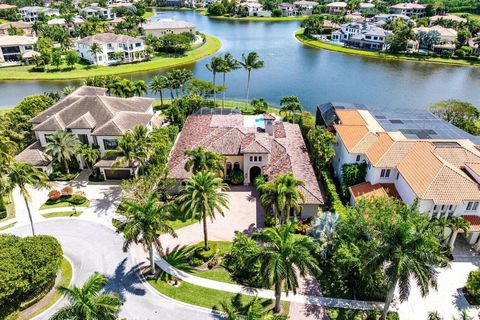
(58, 176)
(236, 177)
(332, 194)
(270, 220)
(76, 199)
(54, 195)
(3, 213)
(195, 262)
(202, 254)
(460, 53)
(351, 314)
(276, 13)
(68, 190)
(472, 289)
(352, 174)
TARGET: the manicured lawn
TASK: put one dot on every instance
(62, 214)
(218, 274)
(264, 19)
(381, 55)
(201, 296)
(5, 110)
(8, 201)
(7, 226)
(66, 269)
(63, 204)
(211, 45)
(244, 107)
(222, 246)
(472, 16)
(180, 223)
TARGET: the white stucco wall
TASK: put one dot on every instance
(247, 164)
(41, 137)
(309, 210)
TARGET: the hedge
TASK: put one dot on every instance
(332, 194)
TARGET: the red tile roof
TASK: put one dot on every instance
(366, 189)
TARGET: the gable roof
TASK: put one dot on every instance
(34, 155)
(351, 135)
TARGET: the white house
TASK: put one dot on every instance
(337, 7)
(288, 9)
(95, 10)
(13, 47)
(409, 9)
(305, 8)
(254, 9)
(129, 49)
(165, 26)
(30, 14)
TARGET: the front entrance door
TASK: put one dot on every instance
(254, 173)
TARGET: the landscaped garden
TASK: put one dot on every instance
(65, 198)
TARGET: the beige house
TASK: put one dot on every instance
(436, 19)
(25, 27)
(337, 7)
(13, 47)
(447, 35)
(162, 27)
(409, 9)
(257, 145)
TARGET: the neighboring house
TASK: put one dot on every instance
(346, 31)
(383, 18)
(4, 6)
(97, 120)
(13, 47)
(61, 22)
(337, 7)
(131, 49)
(366, 7)
(288, 9)
(101, 13)
(166, 26)
(436, 19)
(447, 35)
(472, 42)
(30, 14)
(305, 8)
(254, 9)
(412, 156)
(258, 145)
(372, 38)
(25, 27)
(409, 9)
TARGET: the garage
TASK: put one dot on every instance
(118, 174)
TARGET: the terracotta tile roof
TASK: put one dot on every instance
(378, 149)
(351, 135)
(456, 155)
(268, 116)
(474, 222)
(393, 155)
(33, 155)
(279, 130)
(350, 117)
(475, 167)
(365, 143)
(366, 190)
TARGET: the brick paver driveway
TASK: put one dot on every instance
(244, 214)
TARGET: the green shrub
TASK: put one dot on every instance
(3, 213)
(204, 255)
(195, 262)
(472, 289)
(270, 220)
(276, 13)
(58, 176)
(76, 199)
(332, 194)
(351, 314)
(460, 53)
(236, 177)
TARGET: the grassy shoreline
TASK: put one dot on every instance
(211, 46)
(260, 19)
(381, 55)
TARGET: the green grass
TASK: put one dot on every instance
(471, 16)
(201, 296)
(63, 204)
(222, 246)
(264, 19)
(8, 201)
(382, 55)
(5, 110)
(181, 223)
(62, 214)
(218, 274)
(211, 45)
(7, 226)
(67, 270)
(148, 14)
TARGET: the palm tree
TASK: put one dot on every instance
(282, 256)
(456, 224)
(253, 310)
(20, 174)
(158, 84)
(87, 301)
(89, 154)
(215, 66)
(204, 160)
(143, 222)
(249, 63)
(282, 196)
(442, 224)
(62, 146)
(127, 152)
(228, 65)
(289, 106)
(433, 315)
(140, 88)
(95, 49)
(202, 197)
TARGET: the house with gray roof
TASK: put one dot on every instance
(96, 119)
(257, 145)
(165, 26)
(31, 14)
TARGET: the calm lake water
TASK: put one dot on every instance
(314, 75)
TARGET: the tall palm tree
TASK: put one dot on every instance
(140, 88)
(215, 66)
(204, 160)
(228, 65)
(282, 196)
(143, 222)
(282, 256)
(202, 198)
(88, 302)
(21, 175)
(62, 145)
(127, 152)
(251, 62)
(89, 154)
(253, 310)
(289, 106)
(95, 49)
(157, 85)
(456, 224)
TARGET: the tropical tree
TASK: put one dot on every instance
(320, 142)
(259, 105)
(128, 152)
(21, 175)
(89, 154)
(289, 106)
(95, 49)
(282, 196)
(456, 224)
(157, 85)
(204, 160)
(201, 198)
(62, 145)
(251, 62)
(228, 64)
(235, 309)
(282, 256)
(144, 222)
(88, 302)
(57, 58)
(215, 66)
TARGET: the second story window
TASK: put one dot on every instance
(472, 206)
(358, 158)
(385, 173)
(109, 144)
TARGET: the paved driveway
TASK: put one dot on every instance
(244, 214)
(94, 248)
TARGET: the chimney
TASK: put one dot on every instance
(269, 119)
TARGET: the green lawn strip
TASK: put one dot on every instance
(203, 297)
(471, 16)
(264, 19)
(222, 246)
(381, 55)
(217, 274)
(211, 45)
(62, 214)
(5, 110)
(63, 204)
(8, 201)
(67, 270)
(181, 223)
(7, 226)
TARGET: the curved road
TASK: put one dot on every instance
(93, 247)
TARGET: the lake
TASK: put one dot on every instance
(314, 75)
